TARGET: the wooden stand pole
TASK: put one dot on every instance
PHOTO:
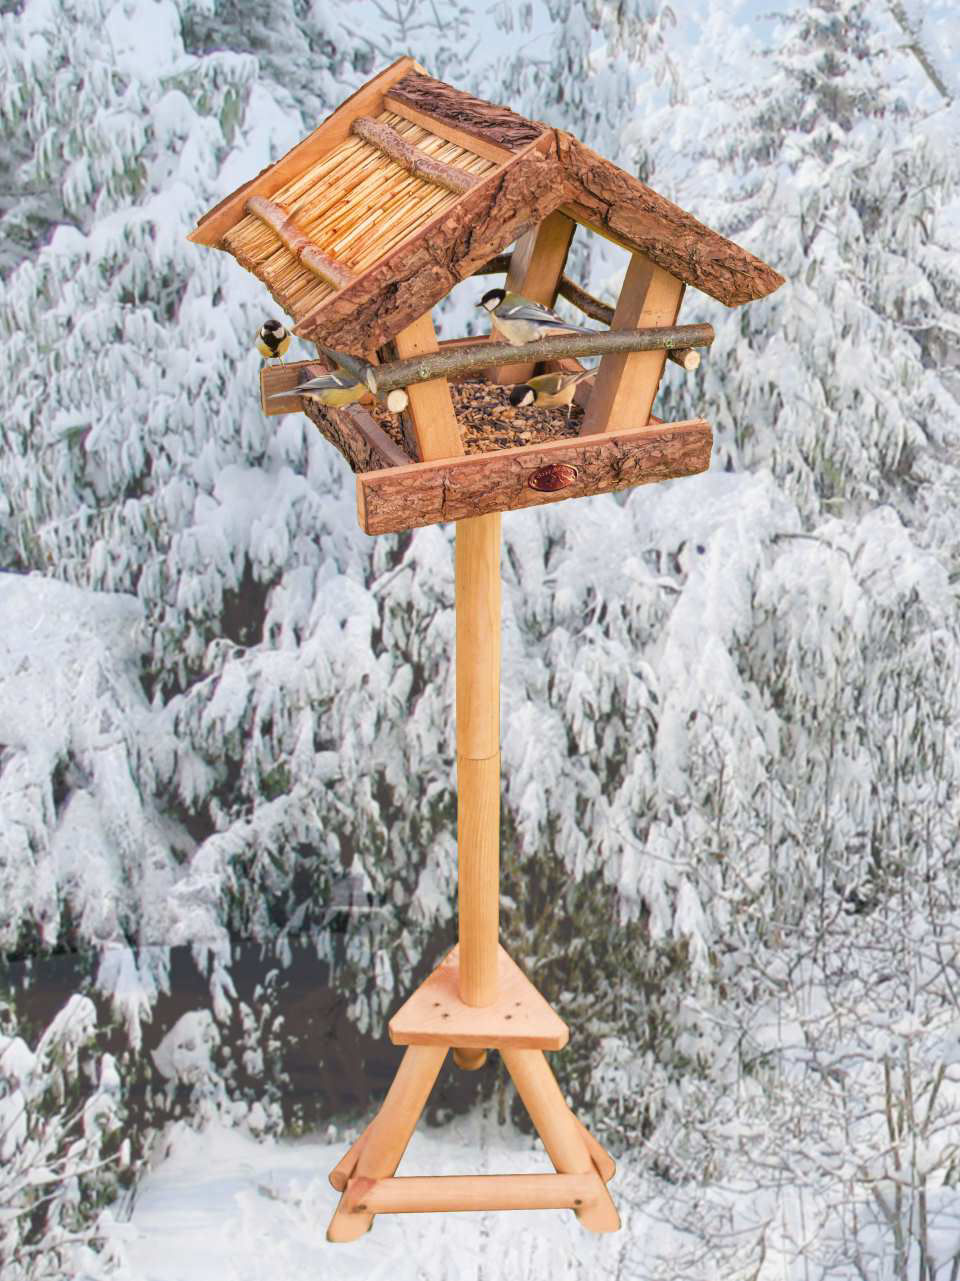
(478, 753)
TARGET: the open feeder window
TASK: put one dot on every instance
(408, 189)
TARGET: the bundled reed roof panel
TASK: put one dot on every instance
(353, 206)
(412, 185)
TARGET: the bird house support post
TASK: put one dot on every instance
(478, 753)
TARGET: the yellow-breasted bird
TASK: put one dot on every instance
(273, 339)
(339, 388)
(521, 321)
(548, 390)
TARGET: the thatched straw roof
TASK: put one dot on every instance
(411, 185)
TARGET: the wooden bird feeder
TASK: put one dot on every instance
(405, 190)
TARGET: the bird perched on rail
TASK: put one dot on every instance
(521, 321)
(340, 388)
(549, 390)
(273, 339)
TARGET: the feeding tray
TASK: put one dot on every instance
(514, 456)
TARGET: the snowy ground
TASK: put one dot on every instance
(223, 1206)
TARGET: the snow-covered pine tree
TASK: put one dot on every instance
(284, 741)
(804, 730)
(63, 1154)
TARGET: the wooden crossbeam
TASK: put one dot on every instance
(428, 1193)
(412, 158)
(536, 267)
(299, 243)
(410, 497)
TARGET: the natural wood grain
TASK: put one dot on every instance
(452, 489)
(560, 1131)
(536, 266)
(412, 158)
(431, 416)
(335, 129)
(478, 593)
(447, 1193)
(342, 1172)
(604, 1163)
(389, 1132)
(436, 1015)
(626, 385)
(478, 817)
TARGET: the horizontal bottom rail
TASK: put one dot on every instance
(450, 1192)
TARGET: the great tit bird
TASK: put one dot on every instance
(523, 321)
(273, 339)
(547, 390)
(339, 388)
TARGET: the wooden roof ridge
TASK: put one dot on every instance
(605, 197)
(488, 121)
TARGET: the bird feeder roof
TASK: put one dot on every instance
(411, 186)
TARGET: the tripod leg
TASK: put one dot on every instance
(561, 1132)
(387, 1136)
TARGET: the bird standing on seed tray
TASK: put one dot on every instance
(273, 339)
(521, 321)
(547, 390)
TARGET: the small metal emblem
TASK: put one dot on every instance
(552, 477)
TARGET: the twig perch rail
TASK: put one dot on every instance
(482, 355)
(685, 357)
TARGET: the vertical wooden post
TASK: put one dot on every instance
(536, 266)
(626, 385)
(478, 754)
(430, 412)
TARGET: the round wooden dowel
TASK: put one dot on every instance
(477, 588)
(469, 1060)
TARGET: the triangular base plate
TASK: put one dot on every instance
(519, 1018)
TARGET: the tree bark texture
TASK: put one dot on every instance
(449, 363)
(486, 120)
(411, 497)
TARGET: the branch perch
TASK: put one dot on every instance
(482, 355)
(685, 357)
